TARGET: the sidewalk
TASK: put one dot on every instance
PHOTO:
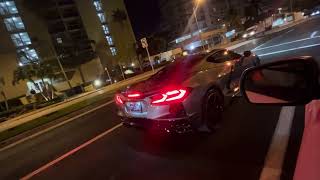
(11, 123)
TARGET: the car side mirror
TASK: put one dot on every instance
(288, 82)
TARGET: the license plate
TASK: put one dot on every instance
(134, 107)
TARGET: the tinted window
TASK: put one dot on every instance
(223, 56)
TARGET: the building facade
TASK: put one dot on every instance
(86, 36)
(179, 16)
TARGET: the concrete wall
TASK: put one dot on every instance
(122, 34)
(94, 30)
(8, 64)
(91, 71)
(37, 30)
(166, 55)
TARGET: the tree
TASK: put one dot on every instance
(2, 93)
(157, 44)
(233, 19)
(72, 54)
(37, 70)
(253, 12)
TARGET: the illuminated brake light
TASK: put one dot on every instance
(172, 96)
(180, 94)
(161, 100)
(134, 95)
(118, 99)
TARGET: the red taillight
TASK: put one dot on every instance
(134, 95)
(170, 96)
(118, 99)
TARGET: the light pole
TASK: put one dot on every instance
(107, 70)
(60, 65)
(195, 17)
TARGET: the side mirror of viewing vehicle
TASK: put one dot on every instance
(288, 82)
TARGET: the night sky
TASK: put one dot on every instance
(144, 16)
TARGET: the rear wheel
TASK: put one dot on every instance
(212, 110)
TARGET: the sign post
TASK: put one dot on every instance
(145, 45)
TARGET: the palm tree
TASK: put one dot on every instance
(2, 93)
(119, 16)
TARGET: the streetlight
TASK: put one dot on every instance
(195, 16)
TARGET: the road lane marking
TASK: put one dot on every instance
(274, 160)
(286, 43)
(46, 166)
(54, 127)
(287, 50)
(272, 39)
(314, 34)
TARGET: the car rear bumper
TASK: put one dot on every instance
(180, 125)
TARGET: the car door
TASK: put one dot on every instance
(224, 62)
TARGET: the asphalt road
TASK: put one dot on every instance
(237, 150)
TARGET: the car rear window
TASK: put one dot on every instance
(179, 68)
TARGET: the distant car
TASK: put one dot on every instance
(250, 32)
(186, 95)
(315, 12)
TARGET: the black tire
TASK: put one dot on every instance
(212, 109)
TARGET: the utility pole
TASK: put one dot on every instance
(107, 70)
(123, 76)
(60, 65)
(291, 5)
(63, 72)
(198, 27)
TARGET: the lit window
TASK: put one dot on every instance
(59, 40)
(105, 29)
(97, 5)
(14, 23)
(27, 55)
(113, 51)
(101, 17)
(8, 7)
(21, 39)
(109, 39)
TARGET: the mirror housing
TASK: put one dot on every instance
(289, 82)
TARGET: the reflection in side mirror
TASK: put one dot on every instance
(290, 82)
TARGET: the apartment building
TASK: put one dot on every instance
(86, 36)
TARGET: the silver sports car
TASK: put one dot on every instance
(186, 95)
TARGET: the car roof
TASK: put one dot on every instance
(216, 50)
(180, 66)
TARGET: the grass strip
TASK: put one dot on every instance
(55, 115)
(50, 117)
